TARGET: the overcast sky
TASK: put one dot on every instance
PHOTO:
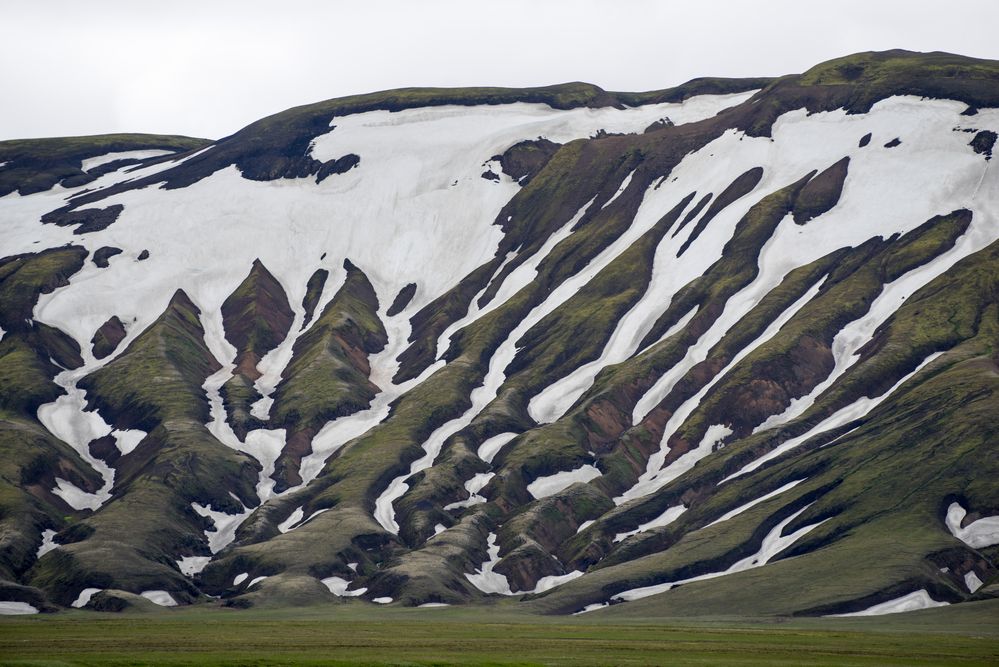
(209, 67)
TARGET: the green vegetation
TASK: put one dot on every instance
(356, 634)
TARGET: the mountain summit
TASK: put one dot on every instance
(725, 348)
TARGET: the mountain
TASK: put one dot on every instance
(728, 348)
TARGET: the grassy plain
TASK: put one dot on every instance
(360, 634)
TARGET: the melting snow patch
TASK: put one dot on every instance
(338, 587)
(439, 528)
(583, 526)
(484, 578)
(84, 598)
(67, 419)
(488, 449)
(11, 608)
(162, 598)
(292, 519)
(48, 543)
(432, 605)
(473, 486)
(549, 485)
(240, 578)
(669, 516)
(550, 582)
(978, 534)
(128, 440)
(225, 526)
(912, 602)
(591, 607)
(255, 581)
(972, 581)
(192, 565)
(384, 600)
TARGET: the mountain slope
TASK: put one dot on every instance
(723, 348)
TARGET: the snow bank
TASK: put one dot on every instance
(162, 598)
(48, 543)
(484, 578)
(549, 485)
(491, 447)
(338, 587)
(912, 602)
(669, 516)
(11, 608)
(979, 534)
(84, 598)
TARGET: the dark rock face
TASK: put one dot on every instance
(313, 292)
(107, 337)
(341, 165)
(402, 299)
(490, 176)
(864, 140)
(88, 219)
(821, 193)
(983, 143)
(102, 255)
(257, 318)
(893, 143)
(144, 255)
(105, 449)
(524, 160)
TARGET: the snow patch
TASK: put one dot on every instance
(48, 543)
(972, 581)
(549, 485)
(11, 608)
(484, 578)
(912, 602)
(84, 598)
(292, 519)
(338, 586)
(473, 486)
(669, 516)
(979, 534)
(162, 598)
(192, 565)
(491, 447)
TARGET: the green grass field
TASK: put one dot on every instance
(359, 634)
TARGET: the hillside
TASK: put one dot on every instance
(730, 348)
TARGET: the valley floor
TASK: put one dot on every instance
(353, 634)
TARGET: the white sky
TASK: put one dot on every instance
(209, 67)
